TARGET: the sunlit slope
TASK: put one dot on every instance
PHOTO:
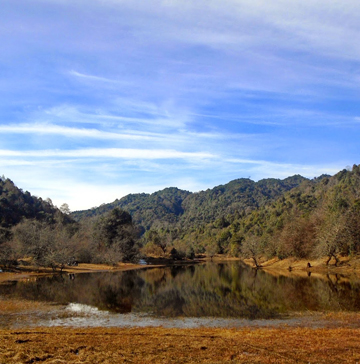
(173, 207)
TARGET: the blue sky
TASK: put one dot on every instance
(101, 98)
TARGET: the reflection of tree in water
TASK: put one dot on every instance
(214, 290)
(106, 291)
(232, 290)
(209, 290)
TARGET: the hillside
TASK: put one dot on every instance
(147, 210)
(319, 217)
(241, 195)
(173, 207)
(16, 205)
(39, 232)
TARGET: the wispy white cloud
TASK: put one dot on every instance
(92, 77)
(321, 27)
(71, 114)
(44, 129)
(109, 153)
(181, 138)
(259, 169)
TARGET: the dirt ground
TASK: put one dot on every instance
(159, 345)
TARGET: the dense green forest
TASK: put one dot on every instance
(317, 218)
(294, 217)
(173, 207)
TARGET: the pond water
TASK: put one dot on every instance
(211, 294)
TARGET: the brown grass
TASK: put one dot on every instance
(159, 345)
(13, 306)
(347, 266)
(29, 272)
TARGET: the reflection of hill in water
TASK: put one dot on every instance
(210, 290)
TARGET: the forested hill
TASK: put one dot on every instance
(148, 210)
(173, 207)
(241, 195)
(318, 218)
(43, 235)
(16, 205)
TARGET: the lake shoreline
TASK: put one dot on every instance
(28, 272)
(290, 266)
(347, 266)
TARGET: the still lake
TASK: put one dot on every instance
(190, 295)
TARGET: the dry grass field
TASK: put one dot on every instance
(337, 342)
(160, 345)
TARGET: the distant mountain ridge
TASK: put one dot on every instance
(173, 207)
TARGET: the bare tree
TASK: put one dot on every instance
(251, 248)
(65, 209)
(332, 238)
(47, 245)
(8, 255)
(297, 238)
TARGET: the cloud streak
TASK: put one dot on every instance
(91, 77)
(76, 132)
(109, 153)
(150, 116)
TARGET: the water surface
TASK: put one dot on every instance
(207, 293)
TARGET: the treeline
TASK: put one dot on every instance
(318, 218)
(173, 208)
(41, 234)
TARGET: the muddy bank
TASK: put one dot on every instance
(17, 313)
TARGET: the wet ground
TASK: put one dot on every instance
(213, 295)
(82, 316)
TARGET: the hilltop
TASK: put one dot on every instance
(173, 207)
